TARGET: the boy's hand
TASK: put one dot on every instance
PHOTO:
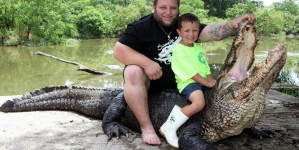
(211, 83)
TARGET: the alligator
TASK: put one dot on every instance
(233, 105)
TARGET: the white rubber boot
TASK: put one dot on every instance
(168, 129)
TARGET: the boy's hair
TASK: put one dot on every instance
(187, 17)
(156, 1)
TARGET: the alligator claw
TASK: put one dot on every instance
(258, 133)
(115, 129)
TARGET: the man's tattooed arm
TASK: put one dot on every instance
(220, 31)
(215, 32)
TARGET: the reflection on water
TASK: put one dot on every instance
(22, 70)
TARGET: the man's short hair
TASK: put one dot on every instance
(156, 1)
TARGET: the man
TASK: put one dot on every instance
(146, 48)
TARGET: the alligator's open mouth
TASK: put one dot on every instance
(241, 57)
(244, 44)
(239, 71)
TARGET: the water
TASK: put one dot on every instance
(22, 70)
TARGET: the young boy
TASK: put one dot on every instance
(192, 74)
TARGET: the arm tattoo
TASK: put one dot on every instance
(214, 32)
(221, 31)
(227, 31)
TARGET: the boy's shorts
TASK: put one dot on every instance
(191, 88)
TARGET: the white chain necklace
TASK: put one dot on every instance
(168, 35)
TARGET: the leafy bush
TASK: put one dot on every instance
(270, 22)
(122, 16)
(241, 9)
(90, 22)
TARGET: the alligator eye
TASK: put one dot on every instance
(247, 27)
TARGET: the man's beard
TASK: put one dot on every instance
(161, 23)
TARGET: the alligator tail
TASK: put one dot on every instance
(89, 101)
(7, 106)
(42, 99)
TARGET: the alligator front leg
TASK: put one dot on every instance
(111, 120)
(190, 139)
(258, 133)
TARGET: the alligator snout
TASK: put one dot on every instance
(279, 53)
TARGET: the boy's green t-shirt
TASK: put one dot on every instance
(186, 62)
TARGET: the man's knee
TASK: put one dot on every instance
(135, 74)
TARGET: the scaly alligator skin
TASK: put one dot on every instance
(235, 103)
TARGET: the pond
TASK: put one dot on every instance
(22, 70)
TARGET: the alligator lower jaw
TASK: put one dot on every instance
(268, 70)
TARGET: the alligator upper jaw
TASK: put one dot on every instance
(243, 52)
(241, 56)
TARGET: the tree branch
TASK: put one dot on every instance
(80, 66)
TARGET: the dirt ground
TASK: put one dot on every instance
(69, 130)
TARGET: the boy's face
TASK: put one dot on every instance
(189, 32)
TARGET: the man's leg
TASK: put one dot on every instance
(135, 92)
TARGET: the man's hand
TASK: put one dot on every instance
(234, 23)
(153, 70)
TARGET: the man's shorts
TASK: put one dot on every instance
(191, 88)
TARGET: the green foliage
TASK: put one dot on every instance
(90, 22)
(291, 23)
(7, 23)
(241, 9)
(291, 15)
(287, 5)
(41, 22)
(197, 7)
(270, 22)
(193, 6)
(77, 7)
(294, 61)
(218, 8)
(290, 91)
(54, 21)
(122, 16)
(106, 28)
(6, 15)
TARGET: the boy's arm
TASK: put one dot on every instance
(199, 79)
(210, 77)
